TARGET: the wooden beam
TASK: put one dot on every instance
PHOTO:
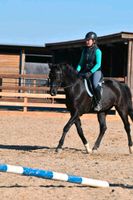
(21, 66)
(39, 105)
(31, 95)
(28, 76)
(22, 101)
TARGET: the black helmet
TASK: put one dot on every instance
(91, 35)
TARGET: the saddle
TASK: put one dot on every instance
(89, 87)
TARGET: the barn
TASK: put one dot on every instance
(117, 50)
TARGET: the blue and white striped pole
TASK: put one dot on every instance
(52, 175)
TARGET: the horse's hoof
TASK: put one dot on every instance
(94, 150)
(58, 150)
(130, 149)
(88, 149)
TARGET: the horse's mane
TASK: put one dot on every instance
(69, 70)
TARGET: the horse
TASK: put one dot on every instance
(78, 102)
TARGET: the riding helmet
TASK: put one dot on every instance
(91, 35)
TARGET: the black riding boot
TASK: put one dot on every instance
(98, 106)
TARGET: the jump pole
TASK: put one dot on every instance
(53, 175)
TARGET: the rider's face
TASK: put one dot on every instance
(89, 42)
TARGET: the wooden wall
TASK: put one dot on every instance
(9, 64)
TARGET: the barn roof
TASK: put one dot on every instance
(117, 37)
(26, 48)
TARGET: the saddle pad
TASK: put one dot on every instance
(87, 88)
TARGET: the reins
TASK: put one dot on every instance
(67, 86)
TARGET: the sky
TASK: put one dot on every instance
(37, 22)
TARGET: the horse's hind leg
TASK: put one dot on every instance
(81, 135)
(65, 130)
(103, 127)
(124, 117)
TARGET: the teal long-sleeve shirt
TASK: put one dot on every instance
(96, 66)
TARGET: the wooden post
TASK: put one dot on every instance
(21, 66)
(130, 66)
(25, 104)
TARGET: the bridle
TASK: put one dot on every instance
(58, 83)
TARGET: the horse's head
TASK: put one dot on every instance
(61, 75)
(55, 77)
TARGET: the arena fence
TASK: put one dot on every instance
(29, 91)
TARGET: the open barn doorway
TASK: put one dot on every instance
(115, 58)
(37, 64)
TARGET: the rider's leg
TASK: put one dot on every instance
(97, 76)
(98, 98)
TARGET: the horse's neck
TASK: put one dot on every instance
(69, 78)
(72, 84)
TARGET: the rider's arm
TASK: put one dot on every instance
(98, 61)
(81, 62)
(78, 68)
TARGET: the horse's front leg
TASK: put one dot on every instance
(103, 127)
(65, 130)
(81, 135)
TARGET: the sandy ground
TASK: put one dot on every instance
(30, 139)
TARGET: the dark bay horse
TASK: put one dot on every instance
(79, 102)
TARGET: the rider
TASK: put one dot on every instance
(90, 65)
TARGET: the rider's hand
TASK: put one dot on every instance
(87, 75)
(79, 75)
